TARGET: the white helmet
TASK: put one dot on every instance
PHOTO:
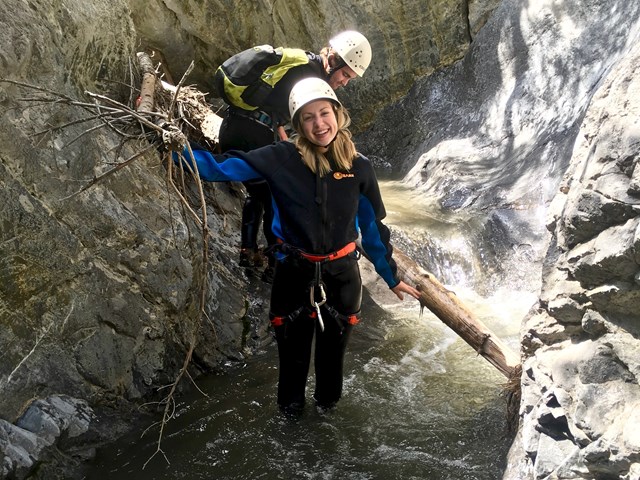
(354, 48)
(308, 90)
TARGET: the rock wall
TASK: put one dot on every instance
(98, 291)
(581, 398)
(409, 38)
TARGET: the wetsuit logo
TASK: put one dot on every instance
(340, 175)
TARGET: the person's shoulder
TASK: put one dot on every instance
(287, 145)
(361, 161)
(284, 148)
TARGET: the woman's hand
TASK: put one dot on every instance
(404, 288)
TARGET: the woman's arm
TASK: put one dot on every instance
(375, 241)
(376, 235)
(230, 168)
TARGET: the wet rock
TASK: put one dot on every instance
(594, 323)
(608, 258)
(593, 377)
(48, 426)
(592, 213)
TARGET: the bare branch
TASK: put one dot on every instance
(169, 408)
(138, 116)
(180, 83)
(35, 87)
(76, 122)
(108, 173)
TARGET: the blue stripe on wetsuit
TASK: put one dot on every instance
(372, 242)
(232, 169)
(276, 226)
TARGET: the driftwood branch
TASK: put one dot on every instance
(448, 308)
(445, 305)
(148, 84)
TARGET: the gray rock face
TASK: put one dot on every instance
(581, 398)
(409, 38)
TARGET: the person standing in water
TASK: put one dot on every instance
(325, 194)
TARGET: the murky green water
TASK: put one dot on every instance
(418, 404)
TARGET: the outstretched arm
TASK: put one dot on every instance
(229, 168)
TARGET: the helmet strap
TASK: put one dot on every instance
(339, 63)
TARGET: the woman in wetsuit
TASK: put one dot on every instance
(325, 194)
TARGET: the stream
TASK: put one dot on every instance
(418, 403)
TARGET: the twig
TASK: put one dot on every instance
(108, 173)
(185, 202)
(193, 382)
(180, 83)
(35, 87)
(205, 230)
(74, 122)
(139, 116)
(169, 408)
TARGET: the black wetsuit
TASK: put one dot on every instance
(242, 130)
(316, 215)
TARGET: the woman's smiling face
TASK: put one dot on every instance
(319, 123)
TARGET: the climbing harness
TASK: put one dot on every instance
(317, 293)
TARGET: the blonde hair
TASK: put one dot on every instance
(341, 149)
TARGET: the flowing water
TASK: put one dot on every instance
(418, 403)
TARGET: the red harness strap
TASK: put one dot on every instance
(277, 321)
(353, 319)
(343, 252)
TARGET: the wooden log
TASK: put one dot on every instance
(148, 84)
(448, 308)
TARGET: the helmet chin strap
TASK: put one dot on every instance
(332, 70)
(335, 69)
